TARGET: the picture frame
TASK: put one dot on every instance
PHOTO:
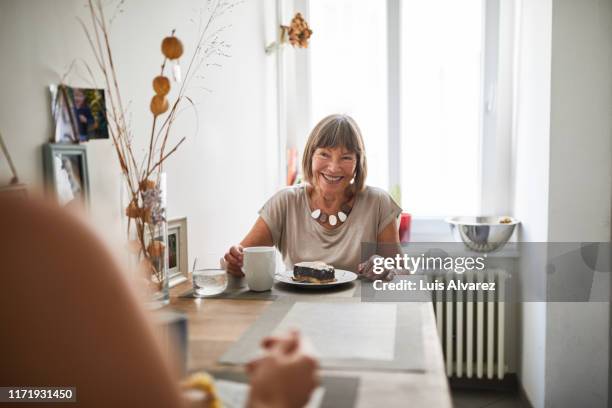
(177, 251)
(66, 172)
(79, 114)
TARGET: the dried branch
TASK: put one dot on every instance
(161, 161)
(137, 175)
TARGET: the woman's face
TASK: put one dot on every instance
(333, 168)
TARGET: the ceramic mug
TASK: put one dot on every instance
(259, 267)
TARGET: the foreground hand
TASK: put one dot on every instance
(366, 270)
(285, 375)
(233, 261)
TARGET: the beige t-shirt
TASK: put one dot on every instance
(300, 238)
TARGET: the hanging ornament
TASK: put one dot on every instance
(297, 33)
(159, 105)
(176, 72)
(172, 47)
(161, 85)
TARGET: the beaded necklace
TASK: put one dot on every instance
(332, 219)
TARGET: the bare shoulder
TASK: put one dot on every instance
(289, 194)
(291, 191)
(375, 193)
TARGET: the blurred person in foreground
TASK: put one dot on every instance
(70, 318)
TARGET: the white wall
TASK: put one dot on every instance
(580, 191)
(562, 187)
(531, 176)
(226, 169)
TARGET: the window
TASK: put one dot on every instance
(440, 98)
(439, 60)
(348, 72)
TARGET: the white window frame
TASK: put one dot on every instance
(496, 113)
(495, 140)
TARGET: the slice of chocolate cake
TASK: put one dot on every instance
(313, 272)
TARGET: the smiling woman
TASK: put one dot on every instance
(328, 217)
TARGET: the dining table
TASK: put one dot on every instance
(214, 325)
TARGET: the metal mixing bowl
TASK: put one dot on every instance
(482, 234)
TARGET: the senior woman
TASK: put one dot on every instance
(328, 217)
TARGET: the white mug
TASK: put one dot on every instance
(259, 266)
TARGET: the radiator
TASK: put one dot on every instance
(472, 328)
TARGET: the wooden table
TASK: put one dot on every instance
(215, 324)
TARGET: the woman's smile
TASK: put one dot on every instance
(331, 179)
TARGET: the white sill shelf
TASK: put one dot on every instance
(436, 229)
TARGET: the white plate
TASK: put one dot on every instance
(342, 276)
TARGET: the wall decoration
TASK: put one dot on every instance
(143, 170)
(177, 251)
(65, 128)
(66, 172)
(14, 188)
(297, 34)
(79, 113)
(5, 152)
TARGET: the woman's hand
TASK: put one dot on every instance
(233, 261)
(285, 375)
(259, 235)
(366, 270)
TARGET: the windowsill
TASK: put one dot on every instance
(430, 229)
(436, 229)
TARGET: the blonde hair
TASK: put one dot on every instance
(337, 131)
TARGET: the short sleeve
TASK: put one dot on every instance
(388, 210)
(274, 213)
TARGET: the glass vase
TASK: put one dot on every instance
(143, 206)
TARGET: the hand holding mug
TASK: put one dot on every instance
(234, 260)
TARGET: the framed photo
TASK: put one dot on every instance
(79, 113)
(177, 251)
(66, 172)
(65, 128)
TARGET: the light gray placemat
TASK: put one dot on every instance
(339, 392)
(370, 335)
(236, 394)
(407, 344)
(239, 290)
(237, 293)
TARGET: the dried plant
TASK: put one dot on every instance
(298, 31)
(142, 174)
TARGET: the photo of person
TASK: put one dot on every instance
(66, 172)
(82, 112)
(64, 127)
(79, 114)
(172, 247)
(69, 178)
(88, 111)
